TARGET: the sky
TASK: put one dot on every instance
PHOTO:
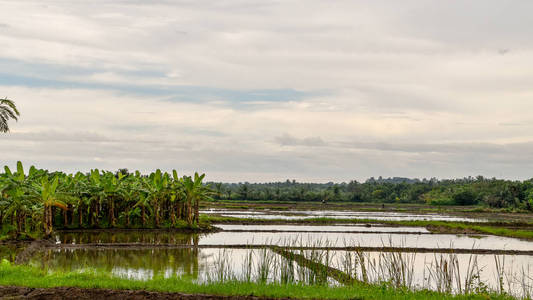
(267, 90)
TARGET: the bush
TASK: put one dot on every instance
(464, 197)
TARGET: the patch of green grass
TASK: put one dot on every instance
(32, 277)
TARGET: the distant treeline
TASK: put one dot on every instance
(493, 192)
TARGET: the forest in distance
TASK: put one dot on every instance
(494, 193)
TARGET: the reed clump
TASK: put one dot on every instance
(447, 273)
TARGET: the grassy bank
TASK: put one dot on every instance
(507, 229)
(32, 277)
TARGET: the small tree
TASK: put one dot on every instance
(8, 111)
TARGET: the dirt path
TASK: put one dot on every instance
(10, 292)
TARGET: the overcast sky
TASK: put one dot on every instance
(269, 90)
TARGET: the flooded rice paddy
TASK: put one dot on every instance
(320, 238)
(356, 228)
(266, 253)
(335, 214)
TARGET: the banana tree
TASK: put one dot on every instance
(112, 190)
(144, 204)
(46, 193)
(177, 197)
(15, 203)
(158, 190)
(129, 192)
(195, 192)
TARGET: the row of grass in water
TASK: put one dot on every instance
(11, 275)
(443, 273)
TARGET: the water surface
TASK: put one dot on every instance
(307, 214)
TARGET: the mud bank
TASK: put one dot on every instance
(13, 292)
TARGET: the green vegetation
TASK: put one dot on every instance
(33, 277)
(8, 111)
(494, 193)
(40, 200)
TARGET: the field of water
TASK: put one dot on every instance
(405, 256)
(335, 214)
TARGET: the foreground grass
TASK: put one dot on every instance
(32, 277)
(499, 229)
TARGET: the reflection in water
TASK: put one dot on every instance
(10, 251)
(132, 263)
(240, 264)
(215, 263)
(126, 236)
(140, 264)
(325, 228)
(334, 214)
(332, 239)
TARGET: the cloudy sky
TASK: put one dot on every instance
(269, 90)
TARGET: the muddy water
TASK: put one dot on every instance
(10, 251)
(307, 214)
(144, 264)
(205, 264)
(316, 239)
(366, 239)
(319, 228)
(128, 236)
(516, 270)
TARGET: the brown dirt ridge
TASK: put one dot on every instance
(14, 292)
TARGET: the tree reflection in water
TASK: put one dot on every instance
(135, 263)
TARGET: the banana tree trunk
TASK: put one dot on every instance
(189, 212)
(47, 220)
(112, 220)
(197, 211)
(71, 215)
(80, 215)
(173, 214)
(143, 215)
(65, 218)
(97, 214)
(156, 212)
(19, 223)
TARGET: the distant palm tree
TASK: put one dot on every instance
(8, 110)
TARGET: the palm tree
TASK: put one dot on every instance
(8, 110)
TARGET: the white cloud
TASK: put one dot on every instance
(410, 88)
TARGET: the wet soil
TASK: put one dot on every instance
(12, 292)
(140, 246)
(461, 211)
(209, 229)
(450, 230)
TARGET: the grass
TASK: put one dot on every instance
(11, 275)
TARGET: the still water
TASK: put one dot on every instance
(332, 239)
(307, 214)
